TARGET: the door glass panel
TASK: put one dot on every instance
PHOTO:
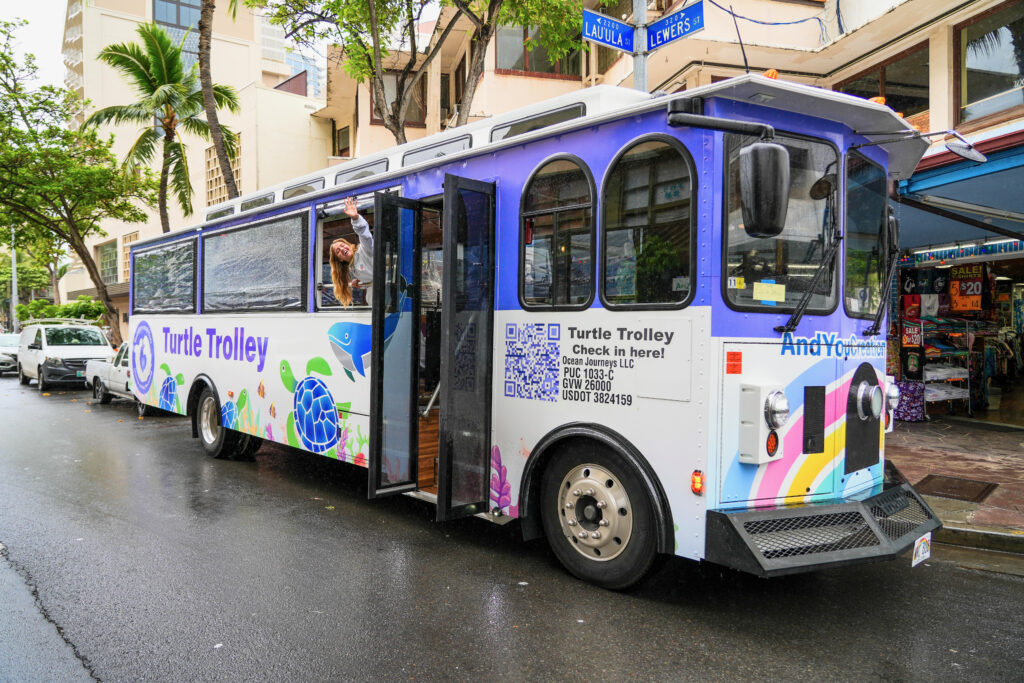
(469, 229)
(395, 344)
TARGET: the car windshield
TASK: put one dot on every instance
(9, 339)
(772, 274)
(74, 336)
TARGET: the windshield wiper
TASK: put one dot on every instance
(827, 259)
(883, 304)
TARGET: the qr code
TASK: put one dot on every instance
(531, 361)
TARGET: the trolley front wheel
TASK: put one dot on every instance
(598, 518)
(218, 442)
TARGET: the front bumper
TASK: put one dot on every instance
(8, 363)
(788, 540)
(62, 374)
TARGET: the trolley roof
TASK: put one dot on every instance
(599, 103)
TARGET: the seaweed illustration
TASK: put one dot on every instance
(501, 489)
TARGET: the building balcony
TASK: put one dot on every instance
(74, 9)
(73, 34)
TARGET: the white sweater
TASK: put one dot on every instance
(362, 260)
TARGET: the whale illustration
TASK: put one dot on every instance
(351, 342)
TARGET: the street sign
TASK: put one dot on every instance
(607, 31)
(674, 26)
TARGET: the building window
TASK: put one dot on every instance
(416, 114)
(648, 217)
(990, 63)
(126, 254)
(216, 189)
(902, 81)
(343, 142)
(555, 265)
(513, 55)
(106, 258)
(180, 18)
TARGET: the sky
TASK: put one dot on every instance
(43, 35)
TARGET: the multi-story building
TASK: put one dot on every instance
(279, 138)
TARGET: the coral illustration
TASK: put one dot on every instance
(501, 489)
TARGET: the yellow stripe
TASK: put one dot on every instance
(814, 463)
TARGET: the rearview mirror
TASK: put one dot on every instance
(764, 188)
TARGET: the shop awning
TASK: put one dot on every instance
(964, 202)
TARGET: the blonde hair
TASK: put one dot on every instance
(340, 273)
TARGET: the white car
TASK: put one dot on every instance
(110, 378)
(56, 351)
(8, 352)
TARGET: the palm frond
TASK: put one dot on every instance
(121, 113)
(226, 97)
(196, 126)
(141, 153)
(132, 62)
(179, 179)
(164, 55)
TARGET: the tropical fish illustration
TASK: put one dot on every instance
(273, 410)
(351, 341)
(261, 390)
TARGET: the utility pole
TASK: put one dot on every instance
(14, 285)
(640, 45)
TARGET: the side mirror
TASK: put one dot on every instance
(764, 188)
(34, 346)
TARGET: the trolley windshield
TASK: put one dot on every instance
(773, 273)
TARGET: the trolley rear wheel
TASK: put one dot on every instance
(217, 441)
(597, 516)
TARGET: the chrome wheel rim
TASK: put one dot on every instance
(594, 512)
(208, 426)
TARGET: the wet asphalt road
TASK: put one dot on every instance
(130, 555)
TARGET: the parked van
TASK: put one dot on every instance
(55, 350)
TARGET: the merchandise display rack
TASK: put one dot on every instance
(942, 383)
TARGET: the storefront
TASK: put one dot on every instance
(958, 300)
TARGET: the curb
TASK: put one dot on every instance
(986, 540)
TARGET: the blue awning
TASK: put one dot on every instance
(997, 184)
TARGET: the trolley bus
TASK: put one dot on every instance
(640, 324)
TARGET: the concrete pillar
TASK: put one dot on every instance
(942, 99)
(433, 77)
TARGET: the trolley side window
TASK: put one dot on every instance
(163, 279)
(772, 274)
(256, 268)
(557, 236)
(648, 222)
(332, 228)
(866, 205)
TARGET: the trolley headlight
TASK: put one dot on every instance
(776, 410)
(892, 395)
(869, 401)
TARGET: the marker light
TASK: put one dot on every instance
(771, 73)
(892, 395)
(697, 482)
(771, 445)
(776, 410)
(877, 100)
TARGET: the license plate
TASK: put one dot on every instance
(922, 549)
(80, 373)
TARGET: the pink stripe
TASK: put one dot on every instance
(775, 475)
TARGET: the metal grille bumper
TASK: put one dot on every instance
(787, 540)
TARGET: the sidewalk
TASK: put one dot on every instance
(967, 450)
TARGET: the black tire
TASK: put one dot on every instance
(217, 441)
(595, 481)
(99, 392)
(247, 447)
(22, 379)
(41, 383)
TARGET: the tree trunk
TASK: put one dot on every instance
(165, 169)
(53, 283)
(478, 46)
(110, 314)
(209, 104)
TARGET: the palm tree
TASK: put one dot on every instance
(209, 103)
(171, 103)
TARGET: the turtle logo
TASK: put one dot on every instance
(314, 413)
(142, 357)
